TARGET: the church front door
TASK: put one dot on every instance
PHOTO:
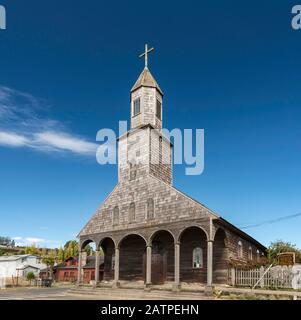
(158, 263)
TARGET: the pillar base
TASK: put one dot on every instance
(116, 284)
(148, 287)
(208, 291)
(176, 287)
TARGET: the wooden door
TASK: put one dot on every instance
(159, 264)
(158, 274)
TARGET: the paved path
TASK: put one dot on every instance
(32, 293)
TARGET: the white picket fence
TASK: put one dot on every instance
(275, 277)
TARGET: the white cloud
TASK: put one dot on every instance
(16, 238)
(27, 241)
(64, 141)
(21, 125)
(35, 240)
(12, 139)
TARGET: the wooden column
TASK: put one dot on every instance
(177, 285)
(209, 262)
(116, 268)
(148, 266)
(96, 267)
(79, 268)
(209, 288)
(233, 277)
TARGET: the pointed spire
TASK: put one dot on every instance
(146, 80)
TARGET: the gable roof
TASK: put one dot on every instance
(34, 266)
(15, 257)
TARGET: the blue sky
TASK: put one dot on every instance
(66, 69)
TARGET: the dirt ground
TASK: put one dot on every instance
(64, 293)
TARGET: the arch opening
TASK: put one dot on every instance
(163, 257)
(193, 255)
(131, 257)
(87, 252)
(106, 266)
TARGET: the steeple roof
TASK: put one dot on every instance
(146, 80)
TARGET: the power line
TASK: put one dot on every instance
(272, 221)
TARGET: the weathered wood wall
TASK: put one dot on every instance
(220, 258)
(108, 249)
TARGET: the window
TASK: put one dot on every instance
(133, 172)
(159, 110)
(197, 258)
(66, 275)
(115, 216)
(250, 254)
(150, 209)
(257, 255)
(239, 249)
(113, 262)
(132, 216)
(136, 107)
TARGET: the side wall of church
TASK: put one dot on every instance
(247, 247)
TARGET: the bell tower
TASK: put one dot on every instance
(146, 98)
(143, 150)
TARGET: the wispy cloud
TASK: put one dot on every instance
(22, 125)
(27, 241)
(64, 141)
(35, 240)
(13, 139)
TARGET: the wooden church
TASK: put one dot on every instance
(147, 229)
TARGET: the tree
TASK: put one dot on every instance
(61, 255)
(280, 246)
(89, 250)
(49, 261)
(32, 249)
(7, 241)
(30, 276)
(70, 249)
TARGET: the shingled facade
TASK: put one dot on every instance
(148, 229)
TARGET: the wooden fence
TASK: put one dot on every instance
(275, 277)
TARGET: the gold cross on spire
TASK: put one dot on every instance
(145, 54)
